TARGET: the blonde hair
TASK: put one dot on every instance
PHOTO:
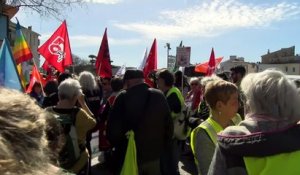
(219, 90)
(204, 81)
(271, 93)
(23, 144)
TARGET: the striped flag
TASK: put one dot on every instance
(21, 50)
(21, 53)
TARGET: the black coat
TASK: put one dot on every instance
(146, 112)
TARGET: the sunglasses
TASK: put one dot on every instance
(194, 84)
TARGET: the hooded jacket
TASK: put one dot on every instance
(245, 149)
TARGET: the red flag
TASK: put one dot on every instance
(46, 66)
(103, 66)
(35, 77)
(209, 68)
(48, 69)
(56, 50)
(211, 64)
(203, 68)
(151, 63)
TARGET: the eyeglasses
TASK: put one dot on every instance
(194, 84)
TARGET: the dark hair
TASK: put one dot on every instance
(178, 80)
(116, 84)
(51, 87)
(63, 76)
(239, 69)
(167, 76)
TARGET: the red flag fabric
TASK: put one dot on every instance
(46, 66)
(56, 50)
(103, 66)
(151, 63)
(211, 64)
(35, 77)
(203, 68)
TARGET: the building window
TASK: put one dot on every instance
(294, 69)
(286, 69)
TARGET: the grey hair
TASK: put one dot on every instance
(23, 142)
(271, 93)
(194, 79)
(69, 89)
(206, 80)
(87, 81)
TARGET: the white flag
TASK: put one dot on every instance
(121, 71)
(141, 67)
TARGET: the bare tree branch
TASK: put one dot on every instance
(54, 8)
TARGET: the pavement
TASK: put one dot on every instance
(186, 164)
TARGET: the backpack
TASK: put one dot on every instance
(70, 152)
(181, 124)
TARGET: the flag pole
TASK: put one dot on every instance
(99, 68)
(182, 80)
(38, 75)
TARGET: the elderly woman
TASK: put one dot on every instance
(267, 141)
(222, 98)
(193, 97)
(69, 91)
(93, 96)
(23, 143)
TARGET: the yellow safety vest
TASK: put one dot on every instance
(286, 163)
(212, 128)
(180, 97)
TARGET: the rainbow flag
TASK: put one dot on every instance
(21, 53)
(21, 50)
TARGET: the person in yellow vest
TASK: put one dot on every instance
(267, 141)
(170, 157)
(222, 98)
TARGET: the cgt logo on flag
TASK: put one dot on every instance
(57, 48)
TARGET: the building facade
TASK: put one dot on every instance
(284, 59)
(234, 61)
(32, 39)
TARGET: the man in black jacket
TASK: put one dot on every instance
(146, 112)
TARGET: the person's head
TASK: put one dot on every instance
(165, 80)
(117, 84)
(37, 88)
(237, 73)
(23, 143)
(179, 78)
(223, 76)
(194, 83)
(69, 90)
(87, 81)
(51, 87)
(222, 97)
(63, 76)
(105, 82)
(272, 94)
(133, 78)
(204, 81)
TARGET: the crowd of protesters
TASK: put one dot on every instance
(236, 124)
